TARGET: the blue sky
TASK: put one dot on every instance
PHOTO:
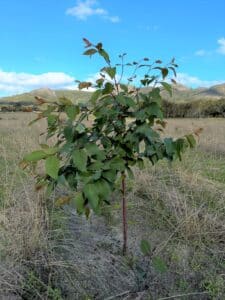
(41, 40)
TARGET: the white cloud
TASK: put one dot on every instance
(221, 48)
(84, 9)
(193, 81)
(93, 77)
(183, 78)
(202, 52)
(13, 83)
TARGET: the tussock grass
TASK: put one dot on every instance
(48, 253)
(23, 217)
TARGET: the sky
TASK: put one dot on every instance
(41, 40)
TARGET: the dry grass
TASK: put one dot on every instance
(21, 208)
(180, 209)
(22, 213)
(211, 139)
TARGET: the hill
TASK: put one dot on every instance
(29, 98)
(185, 102)
(181, 93)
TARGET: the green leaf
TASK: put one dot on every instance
(90, 51)
(169, 146)
(51, 151)
(124, 87)
(66, 148)
(103, 188)
(109, 175)
(140, 115)
(121, 100)
(145, 247)
(93, 150)
(191, 140)
(146, 131)
(164, 72)
(52, 166)
(167, 87)
(126, 101)
(91, 194)
(110, 71)
(68, 133)
(100, 82)
(149, 149)
(86, 177)
(108, 88)
(78, 201)
(35, 155)
(99, 46)
(144, 81)
(154, 110)
(95, 166)
(80, 159)
(65, 101)
(80, 128)
(154, 96)
(130, 102)
(62, 181)
(118, 164)
(130, 173)
(179, 145)
(106, 142)
(52, 120)
(47, 112)
(159, 264)
(97, 175)
(87, 43)
(72, 111)
(72, 180)
(105, 55)
(95, 96)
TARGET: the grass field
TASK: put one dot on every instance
(48, 253)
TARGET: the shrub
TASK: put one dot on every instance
(99, 142)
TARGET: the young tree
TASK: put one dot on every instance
(101, 141)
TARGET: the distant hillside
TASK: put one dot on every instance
(216, 91)
(181, 93)
(185, 102)
(29, 98)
